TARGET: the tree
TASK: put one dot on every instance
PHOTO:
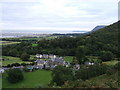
(25, 56)
(13, 52)
(80, 53)
(23, 64)
(61, 75)
(15, 75)
(106, 55)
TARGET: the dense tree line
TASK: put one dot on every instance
(62, 75)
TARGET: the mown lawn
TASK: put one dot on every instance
(68, 58)
(11, 60)
(39, 78)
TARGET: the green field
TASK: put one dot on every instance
(33, 38)
(32, 79)
(68, 58)
(10, 60)
(8, 42)
(111, 62)
(34, 45)
(39, 38)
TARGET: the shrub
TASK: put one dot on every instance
(110, 71)
(23, 64)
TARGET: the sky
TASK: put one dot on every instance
(56, 15)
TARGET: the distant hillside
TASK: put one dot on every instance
(108, 34)
(95, 29)
(98, 27)
(106, 38)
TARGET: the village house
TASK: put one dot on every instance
(20, 67)
(52, 56)
(88, 63)
(46, 56)
(2, 70)
(40, 62)
(51, 63)
(38, 67)
(67, 64)
(59, 61)
(38, 55)
(76, 67)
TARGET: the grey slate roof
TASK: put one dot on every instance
(40, 61)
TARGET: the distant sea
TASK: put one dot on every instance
(15, 34)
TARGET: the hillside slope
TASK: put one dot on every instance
(105, 39)
(108, 33)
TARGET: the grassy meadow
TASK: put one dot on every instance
(34, 45)
(68, 58)
(11, 60)
(39, 78)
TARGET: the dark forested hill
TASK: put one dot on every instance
(105, 39)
